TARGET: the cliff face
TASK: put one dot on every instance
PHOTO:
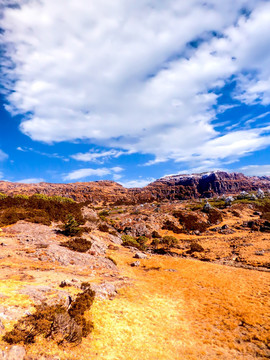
(175, 187)
(206, 185)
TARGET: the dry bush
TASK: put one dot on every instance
(169, 225)
(55, 322)
(191, 220)
(215, 216)
(104, 228)
(195, 247)
(78, 244)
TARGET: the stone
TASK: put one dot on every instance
(260, 194)
(207, 207)
(229, 200)
(140, 255)
(3, 355)
(135, 264)
(2, 327)
(104, 290)
(16, 352)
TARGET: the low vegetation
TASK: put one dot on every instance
(78, 244)
(38, 209)
(55, 322)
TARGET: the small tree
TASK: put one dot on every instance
(71, 227)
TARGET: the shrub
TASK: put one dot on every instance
(155, 242)
(36, 207)
(195, 247)
(169, 241)
(103, 228)
(129, 240)
(142, 240)
(78, 244)
(55, 322)
(71, 227)
(169, 225)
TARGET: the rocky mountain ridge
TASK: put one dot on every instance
(174, 187)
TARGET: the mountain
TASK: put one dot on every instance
(174, 187)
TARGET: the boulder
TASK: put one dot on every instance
(140, 255)
(16, 352)
(135, 264)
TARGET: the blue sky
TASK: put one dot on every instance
(133, 91)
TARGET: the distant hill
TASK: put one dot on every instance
(174, 187)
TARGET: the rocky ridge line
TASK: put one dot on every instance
(175, 187)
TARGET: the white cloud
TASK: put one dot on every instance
(137, 183)
(117, 177)
(49, 155)
(19, 148)
(255, 170)
(30, 180)
(117, 169)
(124, 75)
(88, 172)
(99, 156)
(3, 156)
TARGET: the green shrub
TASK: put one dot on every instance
(3, 196)
(129, 240)
(142, 240)
(169, 241)
(155, 242)
(71, 227)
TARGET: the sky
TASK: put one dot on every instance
(132, 91)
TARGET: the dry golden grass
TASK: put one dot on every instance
(198, 311)
(201, 311)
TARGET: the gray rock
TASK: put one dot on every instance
(2, 327)
(116, 239)
(136, 263)
(3, 355)
(140, 255)
(16, 352)
(207, 207)
(104, 290)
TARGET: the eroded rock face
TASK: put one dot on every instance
(176, 187)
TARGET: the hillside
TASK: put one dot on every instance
(176, 187)
(172, 280)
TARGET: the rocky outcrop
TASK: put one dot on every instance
(177, 187)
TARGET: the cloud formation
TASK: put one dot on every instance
(256, 170)
(3, 156)
(88, 172)
(98, 156)
(139, 76)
